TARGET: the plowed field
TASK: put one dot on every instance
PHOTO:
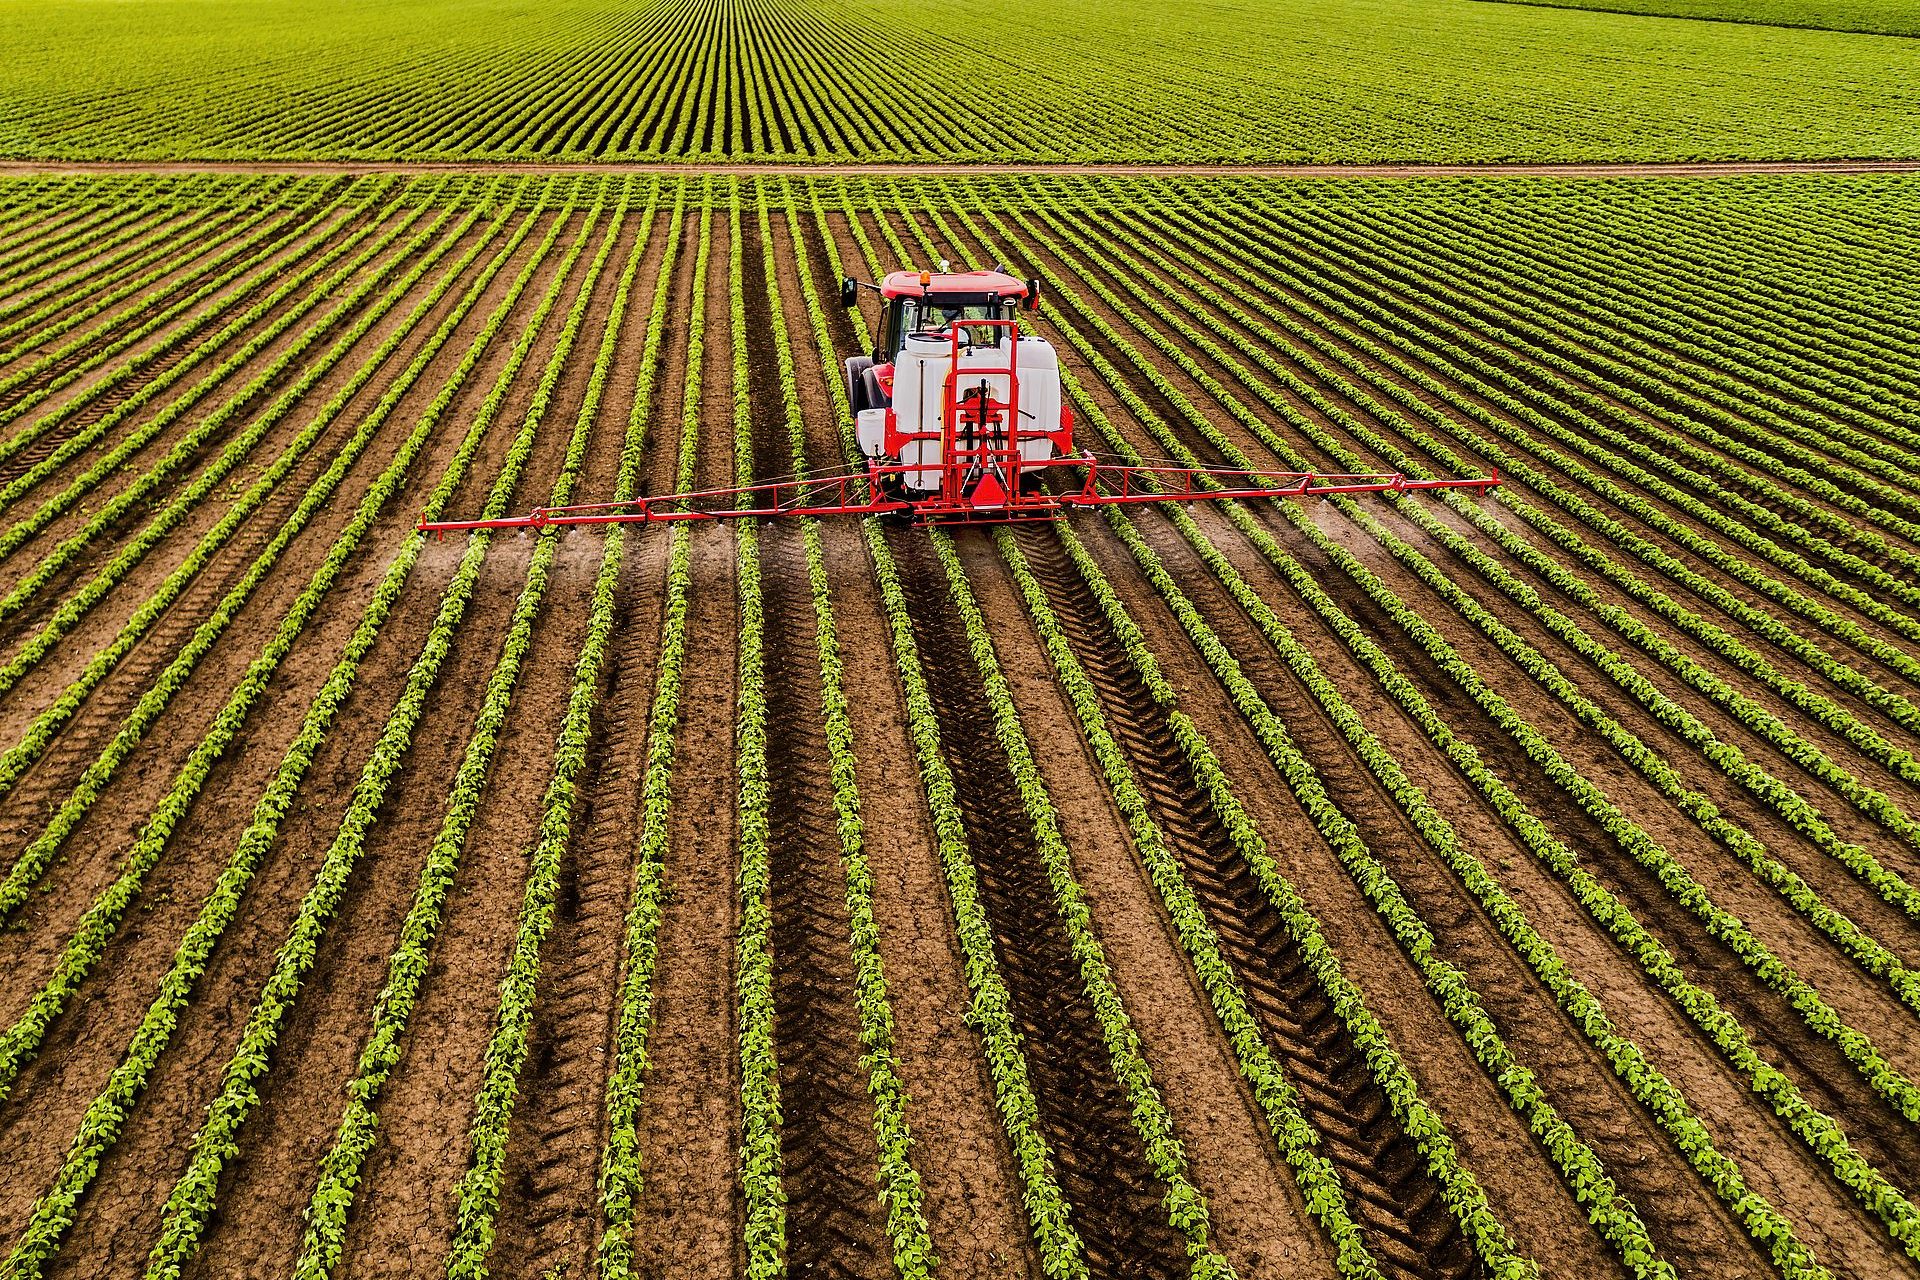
(1436, 885)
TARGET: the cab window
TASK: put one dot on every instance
(932, 315)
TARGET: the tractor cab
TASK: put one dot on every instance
(926, 305)
(957, 410)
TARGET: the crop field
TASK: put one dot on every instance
(1426, 886)
(1077, 80)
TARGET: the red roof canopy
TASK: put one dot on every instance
(899, 283)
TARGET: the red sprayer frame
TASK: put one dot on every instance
(851, 494)
(981, 471)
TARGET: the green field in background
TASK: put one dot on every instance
(1078, 80)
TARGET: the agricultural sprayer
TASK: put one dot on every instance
(961, 420)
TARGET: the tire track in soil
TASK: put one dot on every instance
(1523, 1186)
(1083, 1113)
(1834, 884)
(549, 1213)
(119, 1219)
(1710, 862)
(1686, 1221)
(829, 1161)
(1773, 1159)
(1258, 1219)
(1819, 1067)
(1596, 1107)
(1408, 1225)
(972, 1188)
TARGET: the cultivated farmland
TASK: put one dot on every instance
(1425, 886)
(798, 81)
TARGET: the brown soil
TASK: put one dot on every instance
(688, 1218)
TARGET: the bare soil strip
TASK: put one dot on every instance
(1098, 1158)
(1409, 1227)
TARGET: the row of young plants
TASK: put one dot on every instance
(1819, 1132)
(1418, 399)
(1186, 1207)
(622, 1162)
(1770, 1229)
(764, 1231)
(31, 861)
(1555, 381)
(148, 613)
(222, 344)
(96, 927)
(190, 1205)
(74, 607)
(1616, 1217)
(109, 219)
(77, 263)
(106, 1117)
(1482, 398)
(1749, 713)
(1585, 1175)
(1740, 317)
(230, 410)
(1665, 1104)
(1319, 1181)
(108, 264)
(80, 356)
(140, 494)
(186, 257)
(900, 1187)
(193, 1198)
(1791, 806)
(477, 1202)
(1800, 400)
(323, 1241)
(1058, 1246)
(1548, 357)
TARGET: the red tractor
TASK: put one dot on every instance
(961, 420)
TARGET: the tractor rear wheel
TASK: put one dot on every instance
(857, 369)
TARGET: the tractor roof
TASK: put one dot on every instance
(907, 284)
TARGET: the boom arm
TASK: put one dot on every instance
(859, 493)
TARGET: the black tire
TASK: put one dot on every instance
(857, 369)
(874, 394)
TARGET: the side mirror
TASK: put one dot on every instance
(849, 292)
(1032, 301)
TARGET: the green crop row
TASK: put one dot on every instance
(1767, 1225)
(1867, 951)
(1061, 1254)
(478, 1199)
(901, 1190)
(1320, 1183)
(765, 1230)
(232, 356)
(114, 337)
(622, 1161)
(31, 862)
(54, 1211)
(102, 918)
